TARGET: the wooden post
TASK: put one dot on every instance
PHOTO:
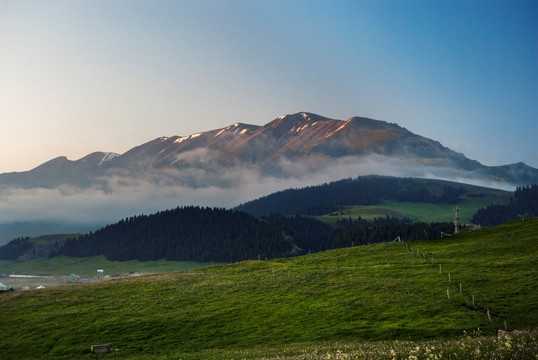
(448, 294)
(489, 316)
(448, 277)
(440, 270)
(460, 288)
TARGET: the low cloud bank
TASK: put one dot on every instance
(118, 196)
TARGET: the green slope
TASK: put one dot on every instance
(288, 306)
(427, 200)
(474, 198)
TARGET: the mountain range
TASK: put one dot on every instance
(226, 167)
(275, 148)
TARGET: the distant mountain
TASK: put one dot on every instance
(309, 139)
(229, 166)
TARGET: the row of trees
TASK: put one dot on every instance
(15, 248)
(523, 204)
(312, 235)
(211, 234)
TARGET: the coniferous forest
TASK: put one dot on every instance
(523, 204)
(186, 233)
(213, 234)
(15, 248)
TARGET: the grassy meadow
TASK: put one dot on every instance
(386, 301)
(64, 266)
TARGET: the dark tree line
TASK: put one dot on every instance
(523, 204)
(312, 235)
(353, 233)
(15, 248)
(187, 233)
(364, 190)
(206, 234)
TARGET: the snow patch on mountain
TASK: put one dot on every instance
(107, 157)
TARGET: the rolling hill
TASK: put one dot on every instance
(404, 296)
(425, 200)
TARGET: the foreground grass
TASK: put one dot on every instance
(337, 303)
(470, 346)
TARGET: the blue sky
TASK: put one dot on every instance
(83, 76)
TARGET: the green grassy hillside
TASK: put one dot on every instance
(340, 302)
(427, 200)
(473, 199)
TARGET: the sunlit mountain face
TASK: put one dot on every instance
(289, 146)
(231, 165)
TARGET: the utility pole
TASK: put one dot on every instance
(456, 218)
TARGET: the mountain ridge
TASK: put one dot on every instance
(295, 137)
